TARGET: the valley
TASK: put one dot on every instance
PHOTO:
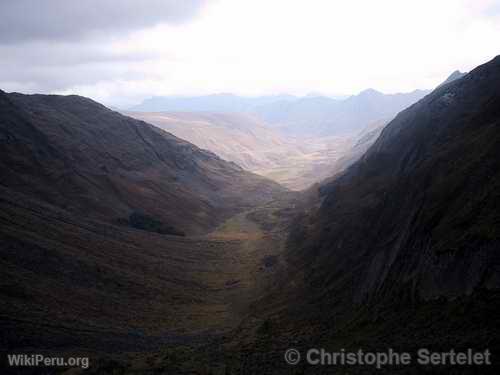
(131, 291)
(122, 237)
(292, 161)
(125, 243)
(296, 142)
(241, 187)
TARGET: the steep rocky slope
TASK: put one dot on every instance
(399, 251)
(418, 213)
(78, 155)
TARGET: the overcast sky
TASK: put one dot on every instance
(122, 51)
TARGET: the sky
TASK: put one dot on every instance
(120, 52)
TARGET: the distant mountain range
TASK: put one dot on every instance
(321, 116)
(310, 115)
(226, 103)
(364, 139)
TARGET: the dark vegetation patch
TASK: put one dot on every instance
(148, 223)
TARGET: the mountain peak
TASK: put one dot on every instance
(369, 92)
(457, 74)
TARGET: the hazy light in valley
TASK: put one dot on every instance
(258, 47)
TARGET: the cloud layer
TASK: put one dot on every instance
(28, 20)
(121, 51)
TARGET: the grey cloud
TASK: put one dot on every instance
(47, 67)
(54, 78)
(28, 20)
(47, 54)
(51, 45)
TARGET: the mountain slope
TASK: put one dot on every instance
(235, 137)
(361, 144)
(78, 155)
(241, 138)
(418, 213)
(416, 218)
(399, 251)
(77, 276)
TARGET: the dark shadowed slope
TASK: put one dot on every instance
(370, 134)
(78, 180)
(78, 155)
(401, 250)
(69, 284)
(419, 212)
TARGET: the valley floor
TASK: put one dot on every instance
(90, 288)
(142, 303)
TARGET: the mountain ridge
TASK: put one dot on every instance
(311, 115)
(98, 162)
